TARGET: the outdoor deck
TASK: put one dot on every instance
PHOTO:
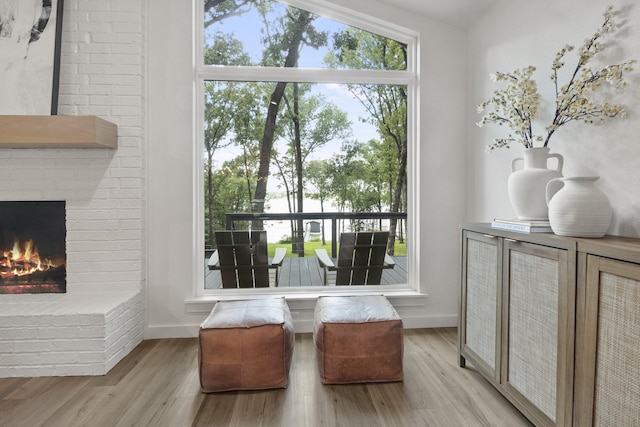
(298, 272)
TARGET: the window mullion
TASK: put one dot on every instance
(261, 74)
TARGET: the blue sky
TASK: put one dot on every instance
(247, 28)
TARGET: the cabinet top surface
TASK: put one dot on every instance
(624, 248)
(546, 239)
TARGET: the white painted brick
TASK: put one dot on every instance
(93, 26)
(34, 346)
(92, 110)
(130, 101)
(75, 332)
(100, 16)
(91, 216)
(68, 357)
(84, 344)
(94, 48)
(126, 193)
(86, 89)
(75, 99)
(14, 334)
(75, 58)
(101, 74)
(126, 5)
(120, 59)
(129, 135)
(123, 110)
(129, 38)
(73, 17)
(35, 320)
(64, 349)
(131, 27)
(67, 69)
(93, 5)
(71, 37)
(126, 48)
(27, 359)
(127, 147)
(93, 70)
(7, 359)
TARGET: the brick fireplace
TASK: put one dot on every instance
(101, 316)
(45, 331)
(52, 333)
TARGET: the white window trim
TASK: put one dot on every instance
(409, 78)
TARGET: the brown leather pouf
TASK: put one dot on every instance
(246, 345)
(358, 339)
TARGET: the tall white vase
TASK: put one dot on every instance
(577, 207)
(527, 186)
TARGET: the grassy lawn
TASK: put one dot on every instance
(310, 247)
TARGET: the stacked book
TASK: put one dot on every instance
(522, 226)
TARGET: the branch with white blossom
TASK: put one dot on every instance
(516, 106)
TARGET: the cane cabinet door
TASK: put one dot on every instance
(538, 301)
(480, 303)
(608, 354)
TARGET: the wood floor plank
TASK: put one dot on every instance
(47, 393)
(157, 385)
(9, 385)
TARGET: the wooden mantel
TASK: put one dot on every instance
(57, 132)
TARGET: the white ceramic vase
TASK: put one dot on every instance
(527, 186)
(577, 207)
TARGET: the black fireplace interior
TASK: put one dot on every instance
(32, 247)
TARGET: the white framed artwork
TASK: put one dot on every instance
(30, 35)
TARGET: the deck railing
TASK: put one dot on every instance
(232, 218)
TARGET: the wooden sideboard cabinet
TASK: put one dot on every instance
(554, 323)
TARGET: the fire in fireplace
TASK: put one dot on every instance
(32, 247)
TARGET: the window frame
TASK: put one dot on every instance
(408, 77)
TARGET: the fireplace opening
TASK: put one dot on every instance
(32, 247)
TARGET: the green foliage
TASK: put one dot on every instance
(226, 50)
(283, 34)
(231, 196)
(285, 239)
(318, 175)
(218, 10)
(359, 49)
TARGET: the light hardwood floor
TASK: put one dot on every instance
(157, 385)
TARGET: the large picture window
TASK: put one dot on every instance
(306, 125)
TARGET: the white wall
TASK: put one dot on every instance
(171, 161)
(514, 34)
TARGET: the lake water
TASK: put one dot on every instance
(276, 230)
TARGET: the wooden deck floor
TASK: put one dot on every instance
(298, 272)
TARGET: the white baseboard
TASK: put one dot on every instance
(302, 326)
(171, 331)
